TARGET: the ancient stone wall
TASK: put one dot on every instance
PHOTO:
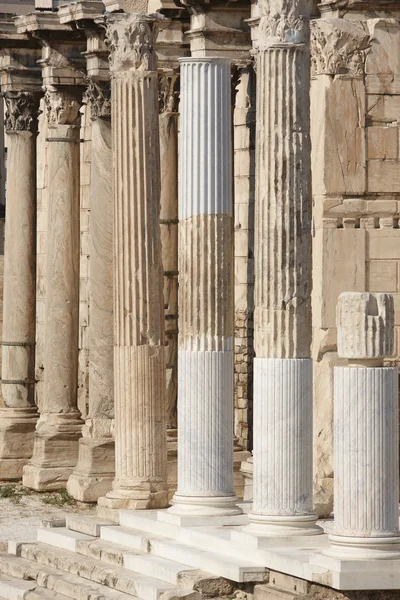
(356, 188)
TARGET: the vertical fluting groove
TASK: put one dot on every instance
(282, 437)
(366, 456)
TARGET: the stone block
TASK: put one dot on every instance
(383, 176)
(383, 244)
(383, 142)
(383, 109)
(241, 242)
(382, 84)
(382, 276)
(384, 55)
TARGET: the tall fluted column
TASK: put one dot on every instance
(139, 353)
(282, 319)
(59, 427)
(205, 356)
(18, 414)
(95, 470)
(366, 431)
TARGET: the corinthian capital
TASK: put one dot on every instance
(21, 111)
(61, 109)
(98, 97)
(284, 22)
(131, 39)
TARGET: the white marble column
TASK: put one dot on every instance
(205, 355)
(139, 353)
(366, 438)
(18, 413)
(95, 470)
(59, 427)
(282, 320)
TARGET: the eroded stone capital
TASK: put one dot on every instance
(338, 46)
(284, 22)
(168, 91)
(61, 108)
(365, 325)
(98, 97)
(131, 39)
(21, 111)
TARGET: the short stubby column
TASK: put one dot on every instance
(366, 438)
(282, 318)
(139, 353)
(59, 427)
(95, 470)
(205, 355)
(18, 413)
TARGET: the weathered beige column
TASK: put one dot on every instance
(18, 413)
(282, 318)
(94, 473)
(139, 353)
(59, 427)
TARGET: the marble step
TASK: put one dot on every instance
(40, 593)
(14, 589)
(62, 537)
(147, 521)
(160, 568)
(121, 579)
(89, 525)
(237, 569)
(112, 554)
(54, 580)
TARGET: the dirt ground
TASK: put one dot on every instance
(22, 510)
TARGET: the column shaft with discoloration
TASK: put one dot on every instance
(139, 353)
(205, 363)
(18, 414)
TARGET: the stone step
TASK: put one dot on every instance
(237, 569)
(117, 578)
(112, 554)
(147, 521)
(62, 537)
(89, 525)
(54, 580)
(159, 568)
(40, 593)
(14, 589)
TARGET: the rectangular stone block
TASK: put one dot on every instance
(383, 176)
(382, 84)
(383, 142)
(383, 244)
(384, 54)
(241, 241)
(382, 276)
(383, 109)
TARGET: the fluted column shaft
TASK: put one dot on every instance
(282, 317)
(95, 470)
(59, 427)
(205, 356)
(139, 354)
(18, 414)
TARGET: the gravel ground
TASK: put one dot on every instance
(22, 511)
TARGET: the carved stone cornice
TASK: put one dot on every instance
(131, 39)
(284, 22)
(21, 112)
(338, 47)
(61, 109)
(168, 91)
(98, 97)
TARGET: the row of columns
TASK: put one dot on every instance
(130, 385)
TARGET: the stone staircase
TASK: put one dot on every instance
(144, 557)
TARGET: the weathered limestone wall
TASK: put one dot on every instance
(356, 185)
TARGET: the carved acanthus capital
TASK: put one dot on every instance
(131, 39)
(338, 46)
(98, 97)
(168, 91)
(284, 22)
(21, 111)
(61, 109)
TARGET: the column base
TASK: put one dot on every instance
(55, 443)
(204, 506)
(17, 431)
(283, 526)
(143, 496)
(362, 548)
(94, 474)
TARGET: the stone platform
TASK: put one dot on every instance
(152, 555)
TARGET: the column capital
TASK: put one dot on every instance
(131, 39)
(168, 90)
(98, 97)
(62, 108)
(21, 111)
(284, 23)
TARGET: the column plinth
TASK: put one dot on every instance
(282, 451)
(95, 469)
(205, 355)
(139, 353)
(59, 427)
(18, 413)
